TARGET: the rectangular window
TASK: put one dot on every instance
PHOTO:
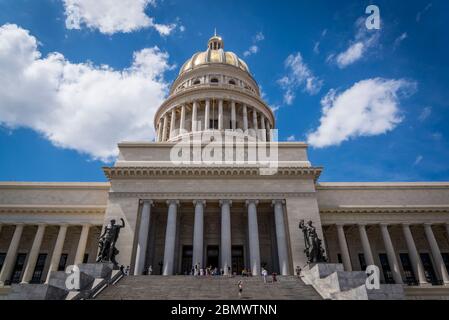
(410, 278)
(2, 260)
(428, 269)
(339, 259)
(39, 269)
(362, 261)
(187, 263)
(63, 262)
(86, 258)
(388, 275)
(445, 256)
(213, 124)
(18, 267)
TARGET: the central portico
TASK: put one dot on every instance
(224, 214)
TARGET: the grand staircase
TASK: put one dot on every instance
(207, 288)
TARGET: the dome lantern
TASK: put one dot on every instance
(215, 43)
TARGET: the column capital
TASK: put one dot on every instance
(362, 224)
(203, 202)
(340, 224)
(87, 225)
(148, 201)
(278, 201)
(170, 202)
(405, 225)
(248, 202)
(225, 201)
(428, 224)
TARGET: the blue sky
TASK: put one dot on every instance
(48, 132)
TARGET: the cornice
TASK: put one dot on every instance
(55, 185)
(387, 209)
(187, 196)
(39, 209)
(381, 185)
(205, 172)
(141, 144)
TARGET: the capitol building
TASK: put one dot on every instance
(203, 193)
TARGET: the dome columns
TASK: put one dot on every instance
(212, 114)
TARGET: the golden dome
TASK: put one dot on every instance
(214, 54)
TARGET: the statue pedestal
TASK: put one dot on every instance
(101, 270)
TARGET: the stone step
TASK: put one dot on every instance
(207, 288)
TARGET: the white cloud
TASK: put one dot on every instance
(112, 16)
(298, 75)
(421, 13)
(426, 112)
(399, 39)
(79, 106)
(418, 160)
(291, 138)
(254, 48)
(316, 47)
(364, 40)
(370, 107)
(259, 37)
(351, 55)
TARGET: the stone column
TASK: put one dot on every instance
(436, 253)
(391, 254)
(33, 255)
(226, 240)
(57, 251)
(11, 255)
(255, 125)
(182, 122)
(194, 116)
(281, 236)
(270, 135)
(198, 233)
(170, 238)
(233, 116)
(164, 128)
(220, 114)
(207, 115)
(369, 259)
(253, 232)
(245, 118)
(418, 268)
(158, 131)
(263, 131)
(144, 229)
(79, 257)
(344, 247)
(172, 123)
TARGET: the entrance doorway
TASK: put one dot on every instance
(213, 253)
(186, 264)
(237, 259)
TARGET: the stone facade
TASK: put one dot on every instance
(221, 214)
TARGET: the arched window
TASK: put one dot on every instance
(214, 80)
(196, 82)
(232, 82)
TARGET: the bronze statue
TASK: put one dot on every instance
(106, 243)
(314, 249)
